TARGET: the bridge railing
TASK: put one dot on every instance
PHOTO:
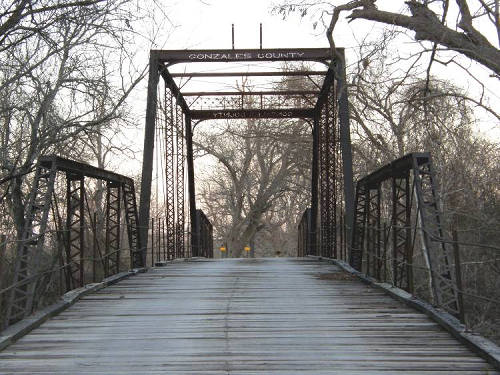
(304, 234)
(73, 234)
(203, 244)
(166, 241)
(402, 237)
(398, 233)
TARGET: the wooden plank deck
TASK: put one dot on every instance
(240, 316)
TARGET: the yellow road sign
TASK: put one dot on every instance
(247, 248)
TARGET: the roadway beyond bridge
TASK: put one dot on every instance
(241, 316)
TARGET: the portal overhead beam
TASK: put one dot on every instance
(252, 113)
(232, 55)
(250, 93)
(297, 73)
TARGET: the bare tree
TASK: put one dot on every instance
(66, 71)
(429, 20)
(260, 163)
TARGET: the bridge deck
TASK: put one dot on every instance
(263, 316)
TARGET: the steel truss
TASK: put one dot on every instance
(410, 175)
(171, 178)
(27, 277)
(326, 107)
(174, 173)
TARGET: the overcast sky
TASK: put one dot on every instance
(206, 24)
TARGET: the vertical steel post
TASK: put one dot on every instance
(147, 160)
(191, 187)
(166, 255)
(328, 174)
(152, 247)
(312, 249)
(232, 35)
(113, 216)
(444, 281)
(135, 241)
(324, 187)
(345, 146)
(261, 36)
(458, 276)
(359, 228)
(401, 211)
(180, 222)
(384, 255)
(158, 235)
(170, 177)
(153, 237)
(373, 232)
(94, 247)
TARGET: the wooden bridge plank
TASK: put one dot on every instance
(264, 316)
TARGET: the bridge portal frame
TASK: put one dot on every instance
(331, 104)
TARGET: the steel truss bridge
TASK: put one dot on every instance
(310, 315)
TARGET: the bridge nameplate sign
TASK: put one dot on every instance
(251, 113)
(282, 54)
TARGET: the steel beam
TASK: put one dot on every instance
(251, 93)
(301, 73)
(75, 167)
(345, 146)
